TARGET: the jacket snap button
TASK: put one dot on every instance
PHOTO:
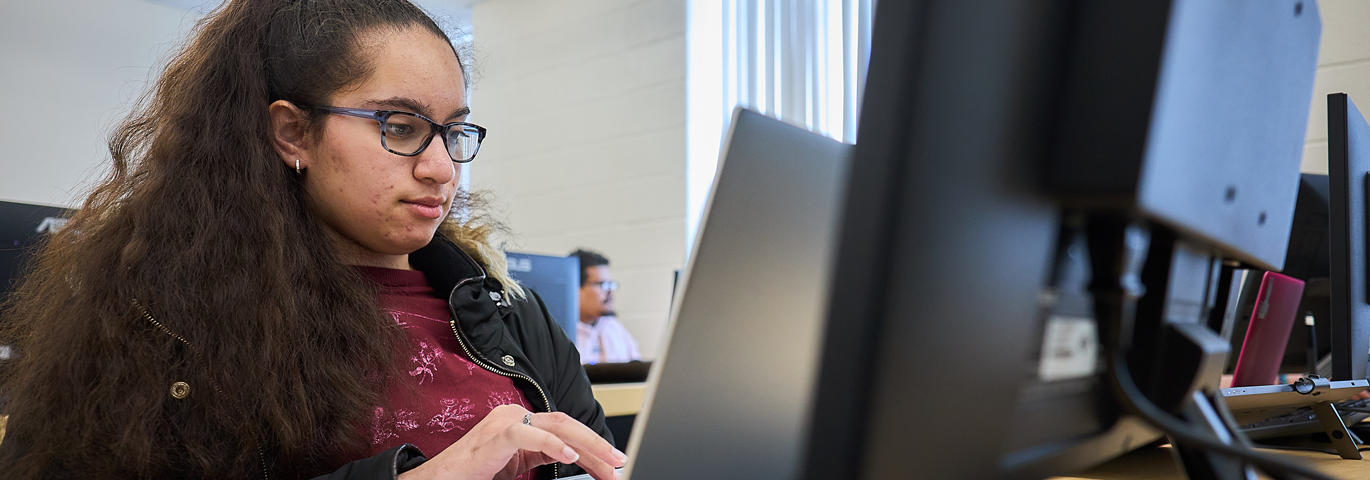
(508, 360)
(496, 296)
(180, 390)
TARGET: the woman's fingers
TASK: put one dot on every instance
(533, 439)
(558, 437)
(597, 468)
(579, 437)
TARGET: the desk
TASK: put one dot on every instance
(619, 398)
(1157, 464)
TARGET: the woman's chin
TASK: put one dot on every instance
(410, 244)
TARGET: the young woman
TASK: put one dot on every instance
(272, 282)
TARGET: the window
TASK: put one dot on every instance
(802, 61)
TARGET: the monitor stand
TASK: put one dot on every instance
(1257, 403)
(1127, 260)
(1342, 439)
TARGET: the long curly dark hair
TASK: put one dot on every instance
(197, 260)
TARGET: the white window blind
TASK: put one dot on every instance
(801, 61)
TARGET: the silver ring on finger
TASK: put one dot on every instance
(528, 419)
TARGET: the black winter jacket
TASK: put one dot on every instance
(517, 338)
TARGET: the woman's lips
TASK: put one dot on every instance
(426, 207)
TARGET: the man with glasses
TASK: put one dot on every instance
(600, 337)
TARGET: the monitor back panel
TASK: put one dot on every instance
(1192, 112)
(732, 391)
(977, 131)
(22, 228)
(557, 281)
(1348, 164)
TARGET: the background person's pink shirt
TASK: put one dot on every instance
(607, 341)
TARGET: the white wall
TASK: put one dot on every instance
(1343, 67)
(585, 102)
(69, 69)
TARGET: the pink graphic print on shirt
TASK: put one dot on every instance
(501, 398)
(452, 412)
(425, 362)
(453, 393)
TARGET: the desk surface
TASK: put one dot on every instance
(620, 398)
(1157, 464)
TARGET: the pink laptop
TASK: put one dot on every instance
(1277, 304)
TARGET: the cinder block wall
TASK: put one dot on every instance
(74, 67)
(585, 102)
(1343, 66)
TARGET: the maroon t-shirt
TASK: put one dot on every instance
(444, 393)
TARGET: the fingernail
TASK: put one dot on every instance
(620, 456)
(570, 453)
(618, 474)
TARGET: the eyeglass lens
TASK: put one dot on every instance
(406, 134)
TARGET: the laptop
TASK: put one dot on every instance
(1267, 334)
(735, 381)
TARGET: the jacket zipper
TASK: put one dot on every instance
(477, 357)
(261, 455)
(480, 360)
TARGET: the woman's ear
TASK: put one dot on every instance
(288, 133)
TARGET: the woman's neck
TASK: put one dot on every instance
(352, 253)
(398, 262)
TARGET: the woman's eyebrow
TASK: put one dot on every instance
(401, 103)
(411, 105)
(461, 112)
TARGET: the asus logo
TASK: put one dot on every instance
(51, 224)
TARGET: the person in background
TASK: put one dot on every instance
(600, 337)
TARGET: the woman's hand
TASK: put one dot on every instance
(501, 446)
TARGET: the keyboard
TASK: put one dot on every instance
(1303, 420)
(586, 476)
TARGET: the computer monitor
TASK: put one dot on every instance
(1031, 176)
(22, 227)
(1307, 259)
(1309, 253)
(1348, 165)
(729, 395)
(556, 280)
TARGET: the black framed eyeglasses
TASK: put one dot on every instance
(606, 285)
(408, 134)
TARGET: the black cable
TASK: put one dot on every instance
(1136, 402)
(1115, 262)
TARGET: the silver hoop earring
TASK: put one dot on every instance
(297, 166)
